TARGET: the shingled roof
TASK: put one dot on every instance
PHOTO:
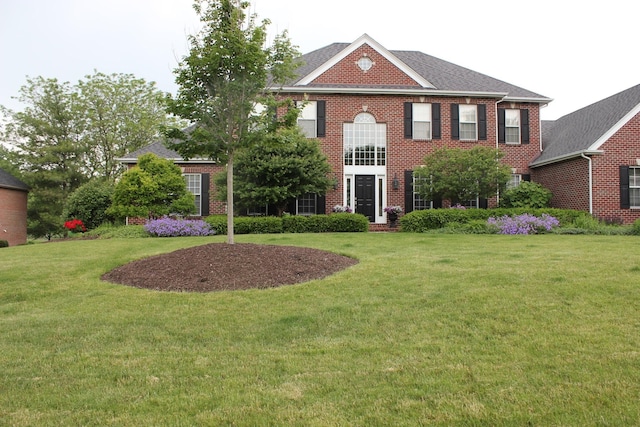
(585, 130)
(9, 181)
(444, 76)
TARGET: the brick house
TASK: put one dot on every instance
(377, 113)
(591, 158)
(13, 209)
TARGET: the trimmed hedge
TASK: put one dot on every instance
(335, 223)
(432, 219)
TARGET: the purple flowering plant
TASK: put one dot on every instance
(393, 209)
(524, 224)
(170, 227)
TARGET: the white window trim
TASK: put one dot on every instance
(308, 113)
(198, 195)
(475, 122)
(506, 126)
(636, 185)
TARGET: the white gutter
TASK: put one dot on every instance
(565, 157)
(392, 91)
(590, 181)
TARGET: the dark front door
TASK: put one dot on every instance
(365, 196)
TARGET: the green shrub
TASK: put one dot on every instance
(89, 203)
(348, 222)
(4, 244)
(635, 228)
(295, 224)
(318, 224)
(109, 231)
(526, 195)
(432, 219)
(257, 225)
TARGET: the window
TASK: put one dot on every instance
(420, 203)
(194, 185)
(421, 121)
(634, 187)
(468, 122)
(307, 119)
(365, 142)
(512, 126)
(306, 205)
(515, 180)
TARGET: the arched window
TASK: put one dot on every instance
(365, 141)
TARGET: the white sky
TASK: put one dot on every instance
(576, 52)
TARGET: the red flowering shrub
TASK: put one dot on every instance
(75, 225)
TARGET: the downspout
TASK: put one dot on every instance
(497, 147)
(590, 182)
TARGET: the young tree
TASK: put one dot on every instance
(458, 174)
(119, 113)
(282, 166)
(155, 187)
(227, 71)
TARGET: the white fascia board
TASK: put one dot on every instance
(176, 160)
(566, 157)
(389, 91)
(523, 99)
(365, 39)
(615, 128)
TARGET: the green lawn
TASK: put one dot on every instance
(444, 330)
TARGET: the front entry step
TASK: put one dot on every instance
(382, 227)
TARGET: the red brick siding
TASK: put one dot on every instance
(568, 182)
(623, 148)
(347, 72)
(405, 154)
(13, 216)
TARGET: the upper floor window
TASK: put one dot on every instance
(421, 121)
(512, 126)
(307, 119)
(468, 122)
(312, 118)
(365, 142)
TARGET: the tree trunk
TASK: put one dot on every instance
(230, 239)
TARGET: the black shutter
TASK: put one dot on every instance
(483, 203)
(321, 204)
(437, 203)
(526, 177)
(501, 125)
(408, 191)
(321, 113)
(625, 202)
(524, 125)
(291, 207)
(455, 122)
(435, 121)
(408, 120)
(482, 122)
(204, 194)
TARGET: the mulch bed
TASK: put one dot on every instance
(221, 266)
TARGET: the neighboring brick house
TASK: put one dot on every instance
(198, 175)
(13, 209)
(591, 158)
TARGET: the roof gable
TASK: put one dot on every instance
(585, 131)
(365, 46)
(428, 75)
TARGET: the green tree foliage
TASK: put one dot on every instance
(153, 188)
(90, 203)
(69, 133)
(463, 174)
(282, 166)
(119, 114)
(526, 195)
(225, 75)
(46, 135)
